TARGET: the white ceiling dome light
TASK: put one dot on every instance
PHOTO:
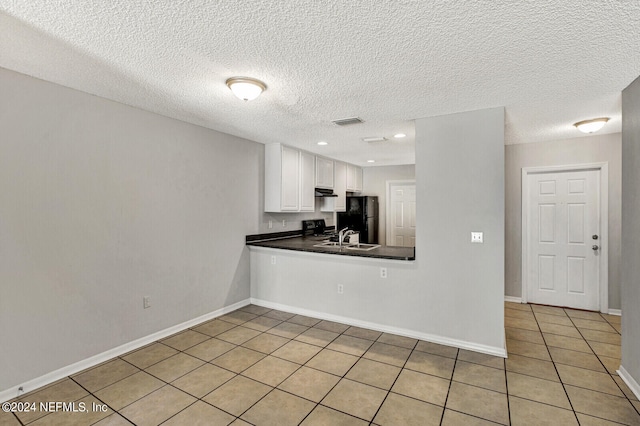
(591, 126)
(246, 88)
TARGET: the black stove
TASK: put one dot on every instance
(316, 227)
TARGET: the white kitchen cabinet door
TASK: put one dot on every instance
(358, 185)
(290, 179)
(339, 203)
(281, 178)
(354, 178)
(324, 173)
(307, 182)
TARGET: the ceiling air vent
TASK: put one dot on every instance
(374, 139)
(347, 121)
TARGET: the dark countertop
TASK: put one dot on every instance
(300, 243)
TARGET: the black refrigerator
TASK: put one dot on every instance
(361, 216)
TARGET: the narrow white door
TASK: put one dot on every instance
(401, 221)
(564, 239)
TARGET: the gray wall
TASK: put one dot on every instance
(374, 182)
(591, 149)
(631, 231)
(459, 189)
(102, 204)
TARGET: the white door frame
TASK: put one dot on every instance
(603, 242)
(387, 221)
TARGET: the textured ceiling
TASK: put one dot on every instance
(549, 63)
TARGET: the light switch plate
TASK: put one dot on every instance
(476, 237)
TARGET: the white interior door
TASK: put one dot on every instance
(401, 218)
(563, 239)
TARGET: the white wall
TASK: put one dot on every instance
(454, 291)
(374, 182)
(102, 204)
(630, 235)
(591, 149)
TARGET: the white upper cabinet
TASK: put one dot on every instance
(289, 179)
(307, 182)
(324, 172)
(354, 178)
(339, 203)
(341, 187)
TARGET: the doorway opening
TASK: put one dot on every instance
(401, 213)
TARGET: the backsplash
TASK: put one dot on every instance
(292, 221)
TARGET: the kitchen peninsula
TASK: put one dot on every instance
(297, 242)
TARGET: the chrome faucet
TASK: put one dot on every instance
(344, 233)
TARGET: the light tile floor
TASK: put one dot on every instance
(265, 367)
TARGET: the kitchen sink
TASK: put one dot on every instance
(356, 246)
(362, 246)
(329, 244)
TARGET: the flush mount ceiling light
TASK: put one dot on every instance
(590, 126)
(322, 143)
(371, 161)
(246, 88)
(399, 135)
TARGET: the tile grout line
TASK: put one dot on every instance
(344, 376)
(625, 396)
(506, 385)
(556, 368)
(446, 399)
(96, 397)
(396, 379)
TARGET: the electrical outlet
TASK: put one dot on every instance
(383, 272)
(146, 302)
(476, 237)
(340, 289)
(284, 223)
(270, 224)
(273, 260)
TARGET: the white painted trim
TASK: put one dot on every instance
(74, 368)
(513, 299)
(489, 350)
(617, 312)
(604, 223)
(630, 381)
(388, 225)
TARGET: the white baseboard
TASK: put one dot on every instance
(617, 312)
(74, 368)
(490, 350)
(513, 299)
(630, 381)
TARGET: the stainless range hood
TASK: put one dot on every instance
(323, 192)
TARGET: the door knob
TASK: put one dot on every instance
(594, 236)
(594, 247)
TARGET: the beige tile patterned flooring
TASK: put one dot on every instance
(257, 366)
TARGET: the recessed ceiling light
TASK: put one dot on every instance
(591, 126)
(323, 143)
(399, 135)
(371, 161)
(246, 88)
